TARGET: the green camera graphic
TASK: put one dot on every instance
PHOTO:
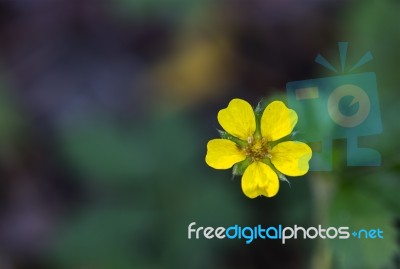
(337, 107)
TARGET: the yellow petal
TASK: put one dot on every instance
(291, 158)
(238, 119)
(259, 179)
(223, 154)
(277, 121)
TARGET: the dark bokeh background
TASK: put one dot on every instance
(106, 108)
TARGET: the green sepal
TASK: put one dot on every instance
(258, 111)
(225, 135)
(239, 168)
(298, 136)
(282, 177)
(294, 136)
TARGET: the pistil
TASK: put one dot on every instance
(257, 148)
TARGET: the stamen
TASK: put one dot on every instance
(257, 148)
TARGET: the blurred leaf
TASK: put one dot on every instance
(208, 202)
(376, 24)
(385, 186)
(358, 210)
(104, 237)
(125, 231)
(153, 233)
(103, 150)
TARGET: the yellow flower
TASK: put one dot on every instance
(259, 142)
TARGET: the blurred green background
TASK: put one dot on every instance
(106, 108)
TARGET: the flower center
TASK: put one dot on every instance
(257, 148)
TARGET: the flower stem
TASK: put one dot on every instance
(322, 189)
